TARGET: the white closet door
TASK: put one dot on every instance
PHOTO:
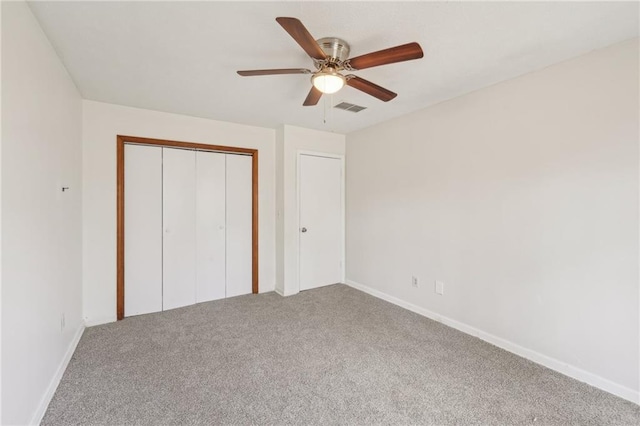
(320, 221)
(239, 224)
(143, 229)
(210, 226)
(179, 225)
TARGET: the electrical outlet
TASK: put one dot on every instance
(414, 282)
(439, 287)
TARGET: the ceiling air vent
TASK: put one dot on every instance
(349, 107)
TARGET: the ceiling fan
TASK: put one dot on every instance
(330, 56)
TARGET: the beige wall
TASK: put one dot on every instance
(101, 123)
(523, 199)
(41, 225)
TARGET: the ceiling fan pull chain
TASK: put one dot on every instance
(331, 120)
(332, 113)
(324, 110)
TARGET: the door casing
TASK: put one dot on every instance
(340, 157)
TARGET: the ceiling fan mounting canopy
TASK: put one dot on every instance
(330, 55)
(336, 49)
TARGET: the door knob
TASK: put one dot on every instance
(303, 230)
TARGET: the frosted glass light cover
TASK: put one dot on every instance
(328, 83)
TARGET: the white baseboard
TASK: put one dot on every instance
(90, 322)
(285, 294)
(552, 363)
(55, 381)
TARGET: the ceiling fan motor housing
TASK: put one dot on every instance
(336, 49)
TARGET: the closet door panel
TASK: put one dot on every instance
(210, 226)
(179, 228)
(239, 224)
(143, 229)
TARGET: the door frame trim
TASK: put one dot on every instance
(121, 141)
(340, 157)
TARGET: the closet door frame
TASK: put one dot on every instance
(121, 141)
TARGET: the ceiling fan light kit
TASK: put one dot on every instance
(330, 57)
(328, 81)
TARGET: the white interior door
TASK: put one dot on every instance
(143, 229)
(210, 226)
(320, 219)
(179, 228)
(239, 224)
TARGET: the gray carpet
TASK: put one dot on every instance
(332, 355)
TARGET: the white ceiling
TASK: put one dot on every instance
(181, 57)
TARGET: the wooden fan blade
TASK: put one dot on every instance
(300, 34)
(313, 97)
(405, 52)
(250, 73)
(370, 88)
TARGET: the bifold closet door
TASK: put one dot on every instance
(179, 228)
(188, 227)
(143, 229)
(210, 226)
(239, 224)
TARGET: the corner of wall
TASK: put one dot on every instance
(42, 191)
(55, 380)
(279, 285)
